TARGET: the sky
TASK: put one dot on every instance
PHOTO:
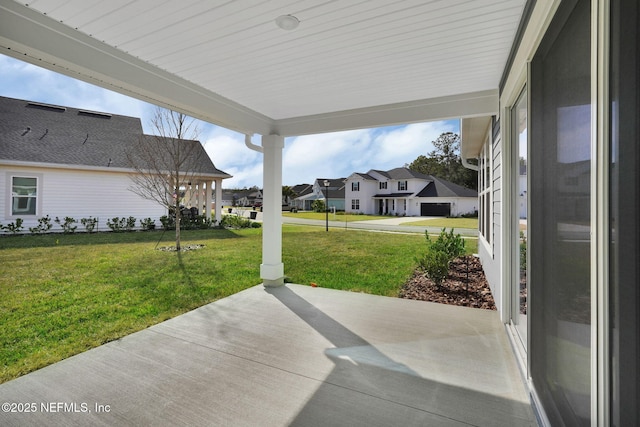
(305, 158)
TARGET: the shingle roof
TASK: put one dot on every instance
(365, 176)
(302, 189)
(439, 187)
(42, 133)
(406, 173)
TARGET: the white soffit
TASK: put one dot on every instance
(229, 63)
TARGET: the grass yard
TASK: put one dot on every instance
(64, 294)
(340, 216)
(454, 223)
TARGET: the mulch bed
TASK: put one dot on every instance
(466, 285)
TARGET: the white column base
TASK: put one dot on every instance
(272, 275)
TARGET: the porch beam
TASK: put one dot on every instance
(473, 104)
(272, 268)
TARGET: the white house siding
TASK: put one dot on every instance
(79, 194)
(365, 194)
(490, 256)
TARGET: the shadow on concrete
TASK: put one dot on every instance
(367, 388)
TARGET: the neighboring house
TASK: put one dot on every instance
(300, 191)
(401, 191)
(60, 161)
(333, 195)
(250, 197)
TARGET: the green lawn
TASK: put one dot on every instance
(341, 216)
(63, 294)
(454, 223)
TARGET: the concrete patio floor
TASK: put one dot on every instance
(293, 355)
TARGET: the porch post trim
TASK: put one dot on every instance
(272, 268)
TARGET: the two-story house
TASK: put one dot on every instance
(401, 191)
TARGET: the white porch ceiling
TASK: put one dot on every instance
(349, 64)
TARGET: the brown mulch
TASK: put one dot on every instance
(466, 285)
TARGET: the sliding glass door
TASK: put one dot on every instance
(520, 245)
(559, 232)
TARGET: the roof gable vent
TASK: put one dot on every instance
(47, 107)
(94, 114)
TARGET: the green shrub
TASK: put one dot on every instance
(117, 224)
(450, 244)
(234, 221)
(318, 205)
(197, 222)
(147, 224)
(44, 225)
(89, 224)
(435, 265)
(168, 222)
(440, 253)
(523, 251)
(67, 224)
(130, 223)
(14, 227)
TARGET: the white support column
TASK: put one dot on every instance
(208, 195)
(272, 268)
(218, 200)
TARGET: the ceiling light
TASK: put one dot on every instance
(287, 22)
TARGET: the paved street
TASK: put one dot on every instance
(394, 225)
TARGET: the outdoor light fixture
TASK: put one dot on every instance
(287, 22)
(326, 204)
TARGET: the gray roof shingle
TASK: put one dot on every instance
(42, 133)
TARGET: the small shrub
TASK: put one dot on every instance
(233, 221)
(168, 222)
(67, 224)
(14, 227)
(130, 223)
(197, 222)
(147, 224)
(89, 224)
(435, 265)
(318, 205)
(452, 245)
(117, 224)
(44, 225)
(440, 253)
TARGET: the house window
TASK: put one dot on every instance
(355, 204)
(383, 185)
(485, 178)
(24, 195)
(355, 186)
(402, 185)
(404, 205)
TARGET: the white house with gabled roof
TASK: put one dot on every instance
(60, 161)
(404, 192)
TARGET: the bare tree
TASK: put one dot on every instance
(167, 161)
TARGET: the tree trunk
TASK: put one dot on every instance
(178, 221)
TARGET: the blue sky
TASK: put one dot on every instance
(305, 158)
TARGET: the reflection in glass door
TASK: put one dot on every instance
(519, 317)
(560, 220)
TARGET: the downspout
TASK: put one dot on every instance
(250, 145)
